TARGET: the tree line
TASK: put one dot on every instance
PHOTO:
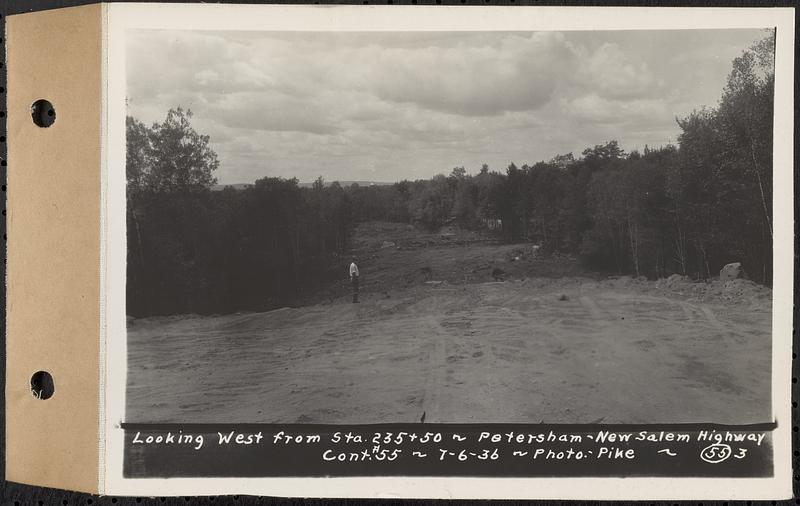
(687, 208)
(192, 249)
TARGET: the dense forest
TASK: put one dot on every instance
(687, 208)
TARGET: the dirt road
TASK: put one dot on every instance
(571, 350)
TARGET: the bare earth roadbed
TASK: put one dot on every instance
(570, 350)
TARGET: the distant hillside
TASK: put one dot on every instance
(348, 183)
(237, 186)
(242, 186)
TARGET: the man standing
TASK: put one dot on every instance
(354, 280)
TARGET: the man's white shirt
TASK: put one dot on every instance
(353, 269)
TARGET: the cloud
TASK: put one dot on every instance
(272, 112)
(598, 109)
(520, 74)
(613, 74)
(394, 105)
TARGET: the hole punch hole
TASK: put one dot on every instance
(43, 113)
(42, 385)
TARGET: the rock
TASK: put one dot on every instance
(427, 272)
(731, 271)
(563, 296)
(498, 274)
(387, 244)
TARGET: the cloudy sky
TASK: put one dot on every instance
(391, 106)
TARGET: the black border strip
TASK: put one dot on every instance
(448, 450)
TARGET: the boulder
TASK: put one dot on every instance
(387, 244)
(427, 273)
(731, 271)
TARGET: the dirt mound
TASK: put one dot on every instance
(626, 281)
(735, 291)
(739, 291)
(673, 280)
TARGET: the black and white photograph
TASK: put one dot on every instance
(560, 227)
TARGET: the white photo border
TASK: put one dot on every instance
(118, 18)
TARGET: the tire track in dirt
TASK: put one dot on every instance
(594, 309)
(435, 378)
(688, 311)
(458, 347)
(500, 345)
(706, 314)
